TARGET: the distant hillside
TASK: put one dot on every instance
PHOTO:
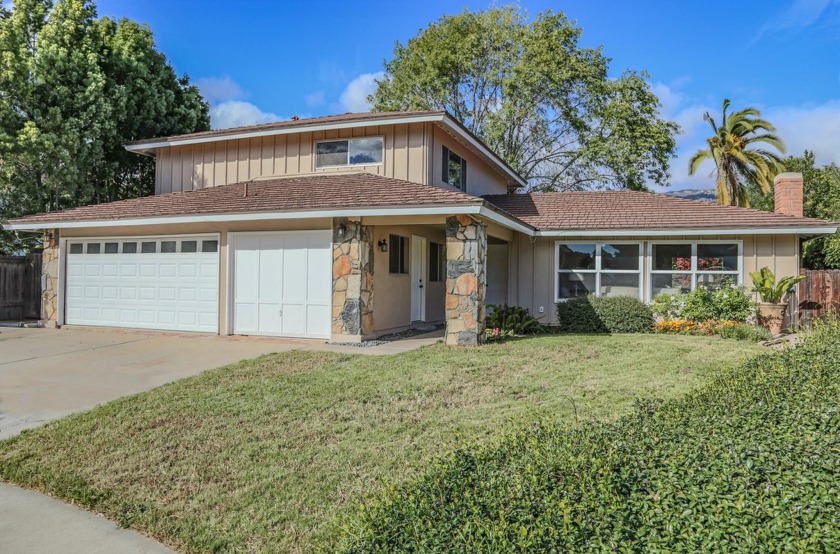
(693, 194)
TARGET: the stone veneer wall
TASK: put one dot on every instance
(352, 296)
(49, 280)
(466, 280)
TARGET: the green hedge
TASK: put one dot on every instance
(749, 463)
(612, 314)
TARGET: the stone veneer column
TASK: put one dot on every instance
(466, 280)
(49, 280)
(352, 292)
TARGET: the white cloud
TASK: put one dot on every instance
(228, 107)
(315, 99)
(236, 113)
(354, 97)
(219, 89)
(801, 14)
(810, 127)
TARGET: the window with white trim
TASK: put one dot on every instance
(357, 151)
(683, 266)
(599, 268)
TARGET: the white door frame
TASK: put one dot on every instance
(419, 277)
(231, 272)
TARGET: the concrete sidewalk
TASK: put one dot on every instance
(34, 523)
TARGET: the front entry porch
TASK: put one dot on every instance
(389, 277)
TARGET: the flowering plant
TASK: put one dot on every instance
(689, 327)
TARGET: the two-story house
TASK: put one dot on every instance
(352, 226)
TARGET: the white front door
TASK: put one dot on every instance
(168, 283)
(418, 278)
(282, 283)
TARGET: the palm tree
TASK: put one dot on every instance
(736, 163)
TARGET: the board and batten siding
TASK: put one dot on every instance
(197, 166)
(532, 265)
(481, 177)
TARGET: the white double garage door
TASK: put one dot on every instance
(279, 284)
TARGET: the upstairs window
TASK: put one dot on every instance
(454, 169)
(361, 151)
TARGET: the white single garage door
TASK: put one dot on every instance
(282, 283)
(167, 283)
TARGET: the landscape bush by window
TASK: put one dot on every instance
(748, 463)
(504, 321)
(602, 269)
(593, 314)
(702, 304)
(398, 254)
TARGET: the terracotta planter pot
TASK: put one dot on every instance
(772, 316)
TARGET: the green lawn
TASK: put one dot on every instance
(268, 454)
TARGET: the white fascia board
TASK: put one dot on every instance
(260, 216)
(693, 232)
(505, 221)
(483, 149)
(282, 131)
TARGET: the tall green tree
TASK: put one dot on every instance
(822, 200)
(73, 89)
(740, 161)
(547, 105)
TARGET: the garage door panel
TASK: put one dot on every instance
(148, 288)
(289, 284)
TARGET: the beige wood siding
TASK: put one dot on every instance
(532, 264)
(481, 177)
(191, 167)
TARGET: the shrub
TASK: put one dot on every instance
(611, 314)
(746, 331)
(703, 304)
(512, 320)
(724, 328)
(747, 463)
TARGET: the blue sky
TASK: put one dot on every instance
(260, 60)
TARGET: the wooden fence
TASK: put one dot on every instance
(20, 287)
(818, 294)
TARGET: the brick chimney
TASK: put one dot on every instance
(789, 191)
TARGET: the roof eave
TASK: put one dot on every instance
(369, 211)
(806, 231)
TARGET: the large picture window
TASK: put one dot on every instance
(599, 268)
(360, 151)
(682, 267)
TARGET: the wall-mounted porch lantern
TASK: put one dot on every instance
(383, 245)
(342, 228)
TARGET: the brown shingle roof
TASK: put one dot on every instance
(315, 192)
(302, 123)
(629, 210)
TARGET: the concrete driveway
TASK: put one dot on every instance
(49, 373)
